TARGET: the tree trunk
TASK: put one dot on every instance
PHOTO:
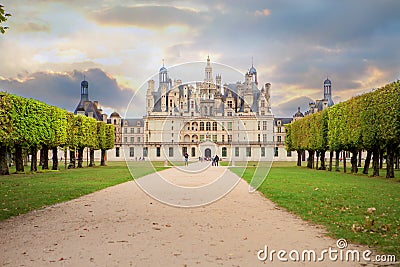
(55, 158)
(45, 165)
(19, 161)
(390, 161)
(330, 160)
(3, 160)
(322, 159)
(91, 164)
(353, 160)
(41, 157)
(344, 162)
(34, 159)
(65, 158)
(103, 157)
(359, 158)
(396, 158)
(80, 157)
(375, 160)
(72, 159)
(337, 169)
(381, 151)
(299, 152)
(310, 160)
(367, 162)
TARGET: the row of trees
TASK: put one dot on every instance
(27, 125)
(369, 122)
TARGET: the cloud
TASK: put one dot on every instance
(63, 89)
(154, 17)
(32, 27)
(289, 108)
(261, 13)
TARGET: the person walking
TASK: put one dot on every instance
(216, 159)
(186, 159)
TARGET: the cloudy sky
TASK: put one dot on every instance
(118, 45)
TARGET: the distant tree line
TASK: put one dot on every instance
(28, 125)
(369, 122)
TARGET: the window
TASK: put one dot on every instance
(223, 126)
(214, 126)
(132, 130)
(117, 152)
(248, 151)
(192, 104)
(184, 150)
(229, 113)
(276, 152)
(229, 138)
(236, 152)
(264, 137)
(201, 137)
(279, 138)
(214, 138)
(229, 126)
(125, 130)
(223, 138)
(192, 114)
(138, 139)
(262, 112)
(201, 126)
(205, 111)
(259, 125)
(125, 139)
(263, 103)
(259, 138)
(138, 130)
(145, 152)
(224, 152)
(115, 121)
(264, 125)
(193, 152)
(131, 152)
(279, 129)
(208, 126)
(263, 152)
(211, 111)
(147, 126)
(158, 152)
(132, 139)
(171, 152)
(289, 153)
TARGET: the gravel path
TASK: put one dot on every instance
(123, 226)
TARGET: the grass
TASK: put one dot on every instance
(338, 201)
(21, 193)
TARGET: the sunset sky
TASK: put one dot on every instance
(117, 45)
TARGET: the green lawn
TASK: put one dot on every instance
(21, 193)
(338, 201)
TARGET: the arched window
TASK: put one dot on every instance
(201, 126)
(115, 121)
(214, 126)
(208, 126)
(224, 152)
